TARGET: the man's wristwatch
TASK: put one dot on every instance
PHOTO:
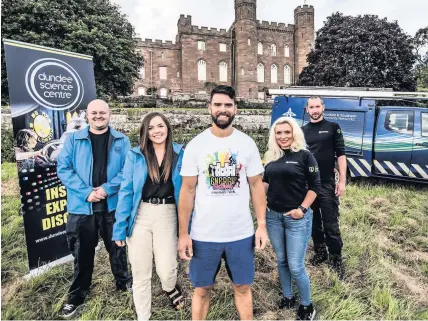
(304, 209)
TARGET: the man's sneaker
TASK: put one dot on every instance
(287, 303)
(336, 264)
(68, 310)
(320, 256)
(306, 312)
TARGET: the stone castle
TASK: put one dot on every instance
(251, 56)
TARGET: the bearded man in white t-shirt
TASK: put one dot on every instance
(221, 168)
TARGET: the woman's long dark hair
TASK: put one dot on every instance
(147, 149)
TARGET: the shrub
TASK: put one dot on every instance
(7, 150)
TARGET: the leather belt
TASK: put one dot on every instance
(157, 200)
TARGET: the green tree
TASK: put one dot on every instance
(421, 49)
(92, 27)
(362, 51)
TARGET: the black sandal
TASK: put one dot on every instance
(176, 297)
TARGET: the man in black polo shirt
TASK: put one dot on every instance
(325, 141)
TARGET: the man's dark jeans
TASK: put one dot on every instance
(82, 237)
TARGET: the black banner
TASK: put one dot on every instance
(49, 90)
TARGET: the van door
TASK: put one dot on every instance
(419, 162)
(394, 142)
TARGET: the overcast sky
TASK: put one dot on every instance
(157, 19)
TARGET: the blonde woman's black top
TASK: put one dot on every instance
(290, 178)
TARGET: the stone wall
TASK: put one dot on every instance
(304, 34)
(129, 120)
(268, 37)
(157, 54)
(212, 56)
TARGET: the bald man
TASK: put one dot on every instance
(90, 167)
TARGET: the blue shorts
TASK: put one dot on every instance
(206, 261)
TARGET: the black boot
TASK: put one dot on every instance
(320, 255)
(287, 303)
(306, 312)
(337, 265)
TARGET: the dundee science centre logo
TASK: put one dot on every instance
(54, 84)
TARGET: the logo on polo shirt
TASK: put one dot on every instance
(291, 162)
(313, 169)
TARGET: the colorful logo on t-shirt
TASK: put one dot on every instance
(222, 172)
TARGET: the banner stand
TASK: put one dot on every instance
(49, 91)
(42, 269)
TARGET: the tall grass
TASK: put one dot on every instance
(385, 231)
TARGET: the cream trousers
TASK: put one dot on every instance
(154, 233)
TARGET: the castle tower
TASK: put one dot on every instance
(244, 54)
(304, 36)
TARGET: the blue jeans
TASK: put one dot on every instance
(290, 238)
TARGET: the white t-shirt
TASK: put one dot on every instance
(222, 202)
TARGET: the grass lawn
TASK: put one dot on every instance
(385, 232)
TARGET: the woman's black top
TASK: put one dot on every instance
(290, 178)
(163, 189)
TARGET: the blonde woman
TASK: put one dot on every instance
(292, 182)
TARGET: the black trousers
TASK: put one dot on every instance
(82, 237)
(325, 226)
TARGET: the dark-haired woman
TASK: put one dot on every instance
(146, 211)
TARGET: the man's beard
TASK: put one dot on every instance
(220, 124)
(316, 117)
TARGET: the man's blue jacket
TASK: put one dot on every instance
(75, 164)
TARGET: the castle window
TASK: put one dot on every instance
(223, 71)
(202, 70)
(178, 74)
(287, 75)
(287, 51)
(141, 91)
(162, 56)
(223, 47)
(274, 74)
(260, 48)
(249, 41)
(142, 72)
(163, 92)
(162, 73)
(250, 93)
(201, 45)
(273, 49)
(242, 71)
(260, 73)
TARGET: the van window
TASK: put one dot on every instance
(424, 124)
(400, 121)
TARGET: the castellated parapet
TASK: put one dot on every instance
(210, 31)
(168, 44)
(275, 26)
(305, 8)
